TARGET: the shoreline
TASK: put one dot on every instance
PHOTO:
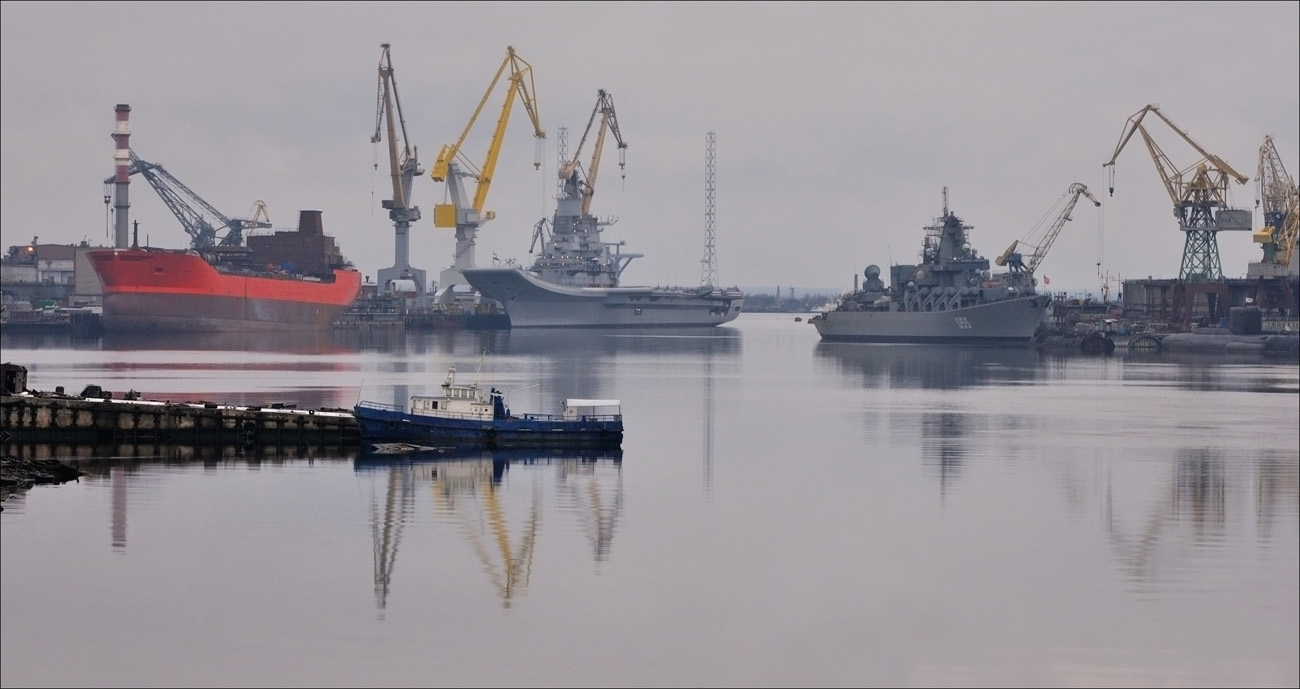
(19, 475)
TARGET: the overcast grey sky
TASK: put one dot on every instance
(838, 124)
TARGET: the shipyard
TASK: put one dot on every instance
(240, 274)
(756, 344)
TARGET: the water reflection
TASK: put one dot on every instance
(1154, 539)
(468, 492)
(932, 367)
(540, 365)
(403, 341)
(609, 341)
(1205, 373)
(944, 446)
(322, 342)
(118, 463)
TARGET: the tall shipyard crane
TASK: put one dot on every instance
(1199, 194)
(570, 169)
(198, 217)
(403, 166)
(451, 166)
(1013, 257)
(1280, 201)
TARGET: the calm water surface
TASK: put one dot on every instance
(785, 512)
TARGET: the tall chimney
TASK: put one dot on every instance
(122, 158)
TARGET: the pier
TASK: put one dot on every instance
(95, 417)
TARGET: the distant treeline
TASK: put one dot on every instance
(789, 300)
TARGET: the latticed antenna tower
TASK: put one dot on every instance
(562, 152)
(709, 264)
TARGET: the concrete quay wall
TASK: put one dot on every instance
(53, 418)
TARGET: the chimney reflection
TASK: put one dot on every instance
(117, 476)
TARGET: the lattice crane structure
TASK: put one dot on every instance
(200, 219)
(1199, 194)
(1013, 258)
(1280, 201)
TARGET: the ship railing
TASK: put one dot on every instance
(381, 406)
(561, 417)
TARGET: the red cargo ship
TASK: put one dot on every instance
(285, 281)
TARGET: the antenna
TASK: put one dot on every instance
(709, 264)
(562, 153)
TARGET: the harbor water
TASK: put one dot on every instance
(784, 512)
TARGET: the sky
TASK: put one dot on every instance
(838, 125)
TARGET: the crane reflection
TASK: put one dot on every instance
(500, 523)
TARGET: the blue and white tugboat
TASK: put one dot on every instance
(463, 415)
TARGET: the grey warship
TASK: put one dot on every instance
(575, 281)
(948, 298)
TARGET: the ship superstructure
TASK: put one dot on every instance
(576, 279)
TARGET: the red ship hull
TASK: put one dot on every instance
(151, 290)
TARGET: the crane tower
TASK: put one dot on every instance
(403, 166)
(1199, 194)
(1279, 200)
(460, 212)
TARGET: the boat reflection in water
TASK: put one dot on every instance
(500, 520)
(933, 367)
(312, 342)
(666, 341)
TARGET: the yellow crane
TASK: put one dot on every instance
(468, 493)
(1014, 260)
(1280, 202)
(466, 216)
(1199, 194)
(450, 156)
(259, 216)
(608, 123)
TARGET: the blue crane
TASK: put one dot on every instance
(193, 214)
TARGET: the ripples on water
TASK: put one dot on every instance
(783, 512)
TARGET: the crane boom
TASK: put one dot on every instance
(403, 166)
(1015, 260)
(189, 208)
(1211, 169)
(1199, 194)
(1280, 202)
(1076, 190)
(520, 85)
(464, 215)
(608, 123)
